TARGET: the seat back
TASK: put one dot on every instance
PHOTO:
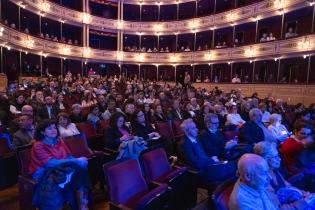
(24, 158)
(155, 164)
(78, 146)
(101, 126)
(85, 111)
(124, 180)
(165, 129)
(221, 196)
(4, 147)
(176, 128)
(87, 128)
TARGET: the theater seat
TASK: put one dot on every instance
(128, 189)
(94, 140)
(157, 169)
(8, 165)
(221, 195)
(25, 183)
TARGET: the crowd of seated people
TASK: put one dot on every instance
(133, 107)
(50, 37)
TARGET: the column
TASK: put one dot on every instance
(212, 42)
(308, 69)
(19, 15)
(282, 25)
(313, 19)
(41, 65)
(195, 40)
(1, 58)
(279, 65)
(256, 32)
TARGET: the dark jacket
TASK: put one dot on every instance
(213, 143)
(142, 131)
(21, 138)
(160, 117)
(112, 138)
(42, 112)
(173, 115)
(77, 118)
(193, 154)
(251, 133)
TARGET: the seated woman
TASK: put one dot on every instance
(278, 130)
(147, 112)
(233, 118)
(205, 110)
(288, 195)
(95, 115)
(143, 128)
(17, 104)
(60, 103)
(117, 131)
(293, 146)
(76, 115)
(159, 115)
(65, 127)
(60, 176)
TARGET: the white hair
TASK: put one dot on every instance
(274, 117)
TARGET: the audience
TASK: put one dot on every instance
(143, 103)
(294, 145)
(25, 135)
(278, 130)
(52, 165)
(288, 195)
(65, 127)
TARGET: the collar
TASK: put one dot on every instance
(192, 139)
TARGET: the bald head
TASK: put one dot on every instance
(27, 110)
(254, 171)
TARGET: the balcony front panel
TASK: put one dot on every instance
(237, 16)
(288, 47)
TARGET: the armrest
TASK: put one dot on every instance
(296, 178)
(118, 206)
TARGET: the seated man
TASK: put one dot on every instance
(194, 155)
(212, 140)
(254, 130)
(176, 113)
(25, 135)
(251, 190)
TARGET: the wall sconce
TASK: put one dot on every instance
(65, 50)
(29, 43)
(120, 24)
(250, 52)
(1, 31)
(193, 24)
(279, 4)
(86, 52)
(208, 56)
(120, 56)
(44, 6)
(157, 27)
(86, 18)
(231, 17)
(140, 57)
(304, 45)
(22, 5)
(173, 58)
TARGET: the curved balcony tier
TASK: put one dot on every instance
(11, 38)
(245, 14)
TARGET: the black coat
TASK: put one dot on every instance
(42, 112)
(142, 131)
(112, 138)
(173, 115)
(213, 143)
(251, 133)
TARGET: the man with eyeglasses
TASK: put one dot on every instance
(293, 146)
(212, 140)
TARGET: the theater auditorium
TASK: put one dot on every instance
(157, 105)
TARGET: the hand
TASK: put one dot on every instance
(215, 158)
(230, 144)
(32, 141)
(126, 137)
(310, 199)
(82, 162)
